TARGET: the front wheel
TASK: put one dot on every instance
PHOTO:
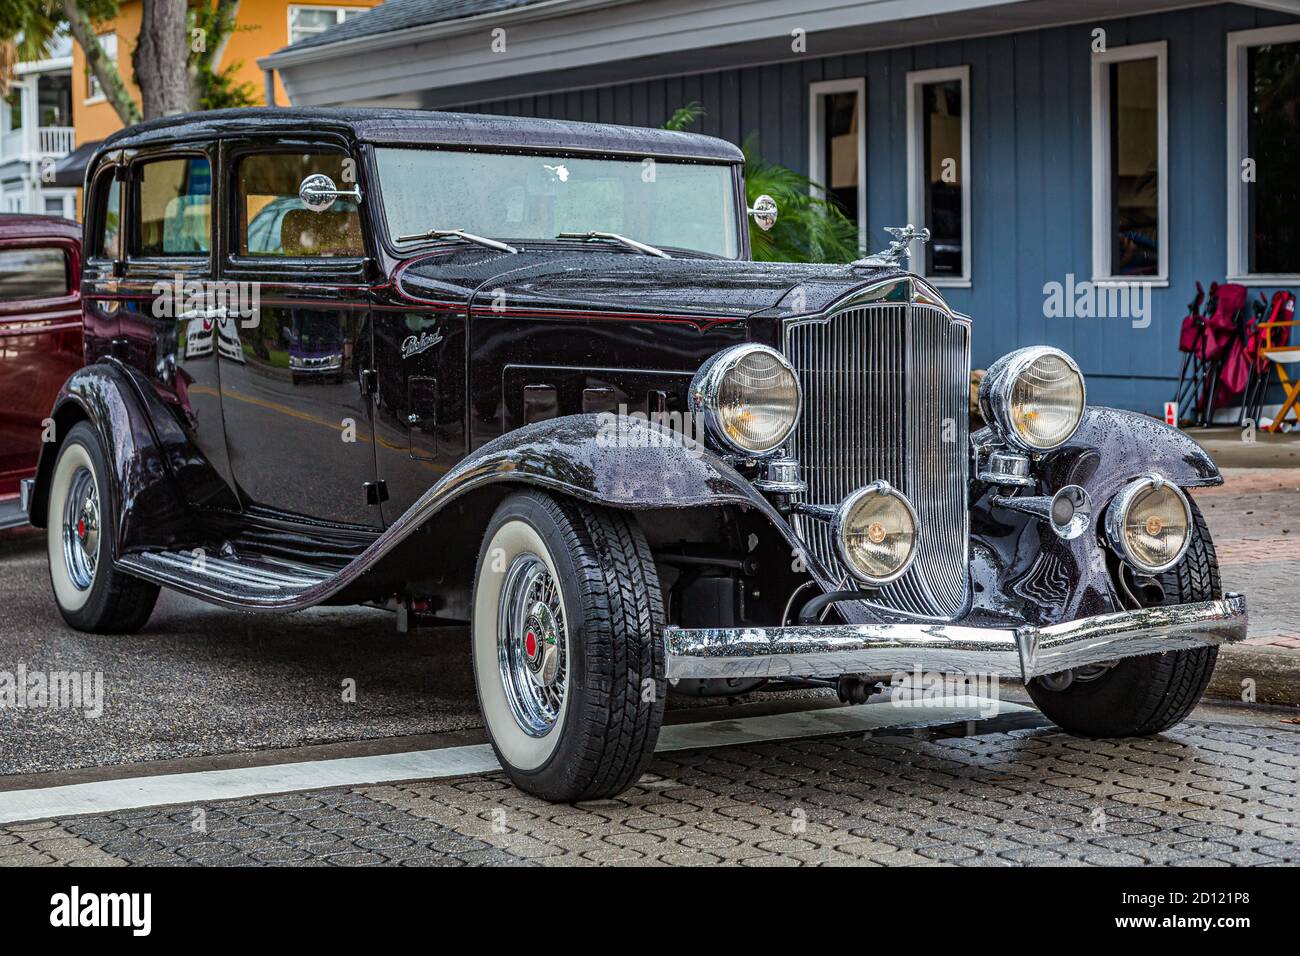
(568, 646)
(1144, 695)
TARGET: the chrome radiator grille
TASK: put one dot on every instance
(885, 389)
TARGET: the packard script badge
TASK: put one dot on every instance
(415, 344)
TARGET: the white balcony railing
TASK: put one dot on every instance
(56, 140)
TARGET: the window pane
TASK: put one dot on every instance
(840, 157)
(273, 220)
(175, 207)
(1273, 130)
(14, 103)
(942, 176)
(1135, 167)
(304, 23)
(110, 215)
(33, 274)
(108, 42)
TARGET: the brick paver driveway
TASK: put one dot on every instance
(1220, 789)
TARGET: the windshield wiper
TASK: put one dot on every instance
(615, 237)
(459, 234)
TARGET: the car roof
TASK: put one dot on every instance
(428, 127)
(29, 226)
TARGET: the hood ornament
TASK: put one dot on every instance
(894, 256)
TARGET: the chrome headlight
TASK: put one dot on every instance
(874, 530)
(750, 398)
(1150, 524)
(1034, 397)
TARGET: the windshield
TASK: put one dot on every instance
(685, 206)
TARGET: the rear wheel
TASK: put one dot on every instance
(1145, 695)
(568, 646)
(80, 523)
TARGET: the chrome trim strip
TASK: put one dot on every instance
(25, 488)
(1024, 652)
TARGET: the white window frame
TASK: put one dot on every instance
(336, 8)
(1102, 227)
(100, 97)
(1103, 233)
(817, 140)
(916, 175)
(1238, 255)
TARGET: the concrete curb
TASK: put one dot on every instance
(1275, 672)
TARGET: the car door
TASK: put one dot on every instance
(40, 343)
(295, 356)
(160, 301)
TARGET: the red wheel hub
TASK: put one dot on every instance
(530, 643)
(81, 528)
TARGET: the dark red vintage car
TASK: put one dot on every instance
(40, 339)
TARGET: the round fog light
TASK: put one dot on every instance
(875, 533)
(1149, 524)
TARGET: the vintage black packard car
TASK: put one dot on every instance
(523, 374)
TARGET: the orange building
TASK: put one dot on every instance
(262, 27)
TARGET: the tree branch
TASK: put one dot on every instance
(104, 69)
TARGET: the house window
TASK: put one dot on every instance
(308, 21)
(838, 152)
(1130, 162)
(938, 162)
(1263, 143)
(14, 107)
(93, 90)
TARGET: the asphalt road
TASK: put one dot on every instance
(202, 680)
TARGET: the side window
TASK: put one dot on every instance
(33, 274)
(108, 215)
(274, 222)
(175, 206)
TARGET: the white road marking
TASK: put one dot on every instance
(208, 786)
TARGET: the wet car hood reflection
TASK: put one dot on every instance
(552, 278)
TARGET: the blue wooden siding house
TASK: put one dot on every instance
(1082, 164)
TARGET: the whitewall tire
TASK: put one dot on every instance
(567, 637)
(91, 594)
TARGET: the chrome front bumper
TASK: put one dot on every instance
(1024, 652)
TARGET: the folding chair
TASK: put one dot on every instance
(1282, 355)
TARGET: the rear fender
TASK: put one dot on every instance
(142, 488)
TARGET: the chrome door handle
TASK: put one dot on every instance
(193, 314)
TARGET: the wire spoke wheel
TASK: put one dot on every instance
(532, 645)
(81, 529)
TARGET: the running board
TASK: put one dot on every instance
(236, 581)
(12, 514)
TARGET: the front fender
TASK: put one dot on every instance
(1022, 570)
(606, 460)
(141, 486)
(1113, 446)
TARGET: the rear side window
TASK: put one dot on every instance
(109, 218)
(175, 202)
(33, 274)
(273, 220)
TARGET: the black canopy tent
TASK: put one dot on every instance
(71, 169)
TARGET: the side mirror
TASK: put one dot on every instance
(764, 212)
(318, 192)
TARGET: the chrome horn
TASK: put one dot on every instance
(1068, 512)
